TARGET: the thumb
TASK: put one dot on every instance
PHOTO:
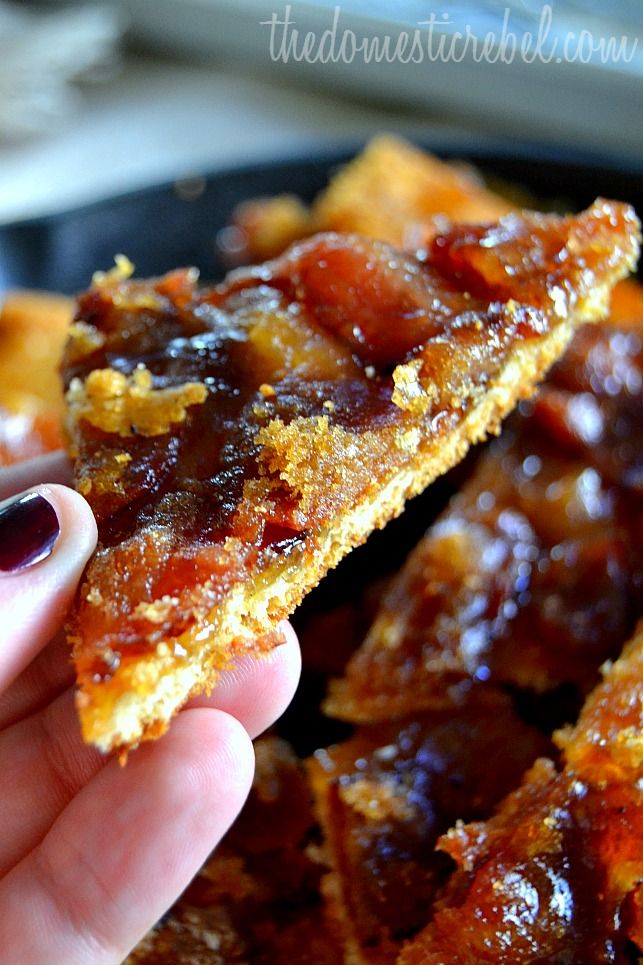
(46, 538)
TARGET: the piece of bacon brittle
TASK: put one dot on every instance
(235, 442)
(534, 574)
(555, 876)
(33, 329)
(392, 191)
(383, 798)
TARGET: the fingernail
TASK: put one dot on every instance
(29, 528)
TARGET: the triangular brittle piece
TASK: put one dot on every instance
(235, 442)
(531, 576)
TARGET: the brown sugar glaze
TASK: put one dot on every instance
(388, 875)
(314, 334)
(555, 876)
(385, 796)
(533, 576)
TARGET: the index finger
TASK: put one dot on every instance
(127, 845)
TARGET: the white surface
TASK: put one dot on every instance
(561, 89)
(42, 55)
(158, 120)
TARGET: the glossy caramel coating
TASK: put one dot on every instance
(554, 876)
(385, 796)
(533, 575)
(262, 409)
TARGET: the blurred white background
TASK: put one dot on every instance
(100, 98)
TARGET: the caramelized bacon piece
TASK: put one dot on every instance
(235, 442)
(592, 408)
(553, 876)
(33, 329)
(533, 575)
(384, 797)
(392, 192)
(257, 898)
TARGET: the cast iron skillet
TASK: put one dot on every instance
(160, 228)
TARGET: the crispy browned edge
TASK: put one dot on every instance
(148, 692)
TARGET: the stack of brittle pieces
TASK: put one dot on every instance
(457, 822)
(471, 788)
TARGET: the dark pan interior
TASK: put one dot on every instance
(160, 228)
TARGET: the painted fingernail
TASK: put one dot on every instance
(29, 528)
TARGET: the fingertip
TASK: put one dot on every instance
(286, 661)
(210, 743)
(76, 535)
(291, 640)
(258, 689)
(188, 787)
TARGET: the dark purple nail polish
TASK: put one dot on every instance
(29, 528)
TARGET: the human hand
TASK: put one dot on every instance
(91, 853)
